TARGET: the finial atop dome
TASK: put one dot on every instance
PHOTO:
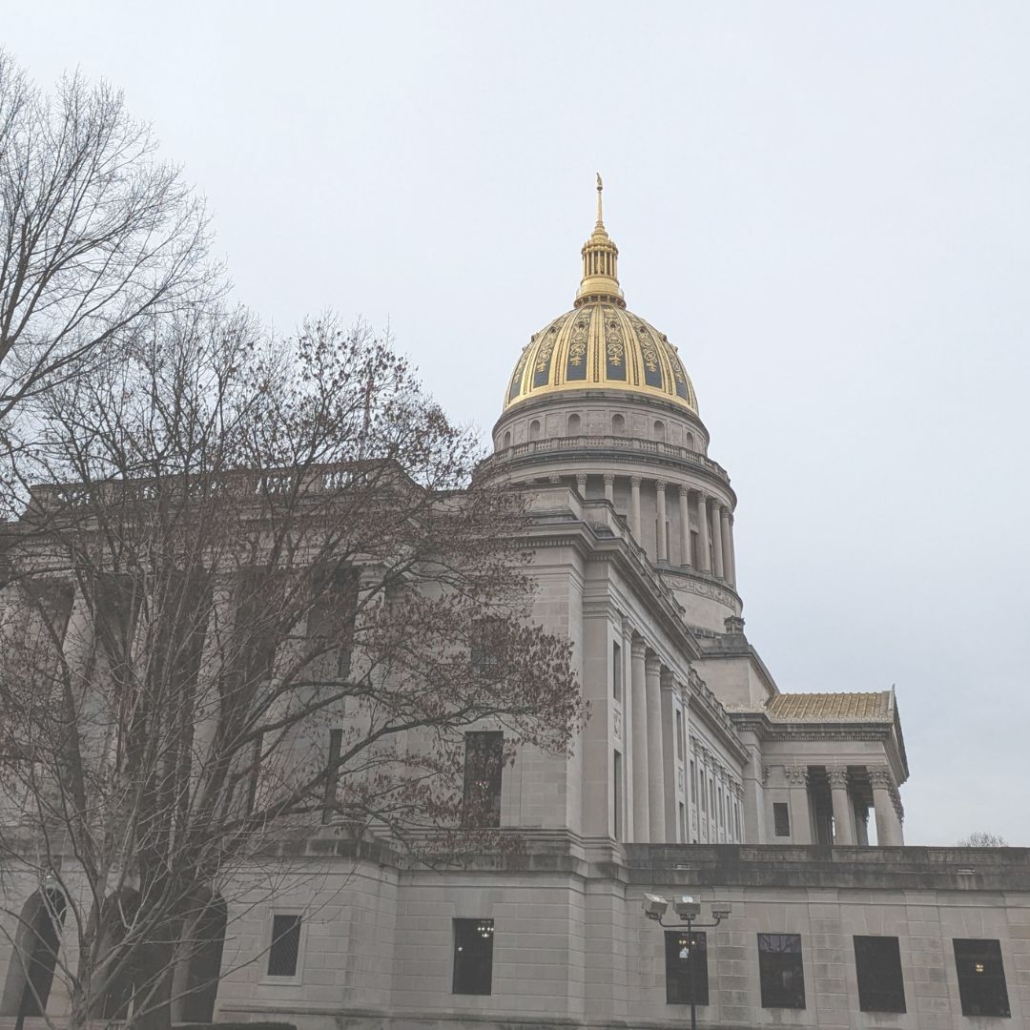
(600, 263)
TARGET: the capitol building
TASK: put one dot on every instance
(697, 774)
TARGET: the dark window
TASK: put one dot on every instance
(781, 819)
(679, 734)
(489, 638)
(616, 672)
(473, 956)
(780, 970)
(686, 953)
(282, 955)
(484, 762)
(881, 987)
(617, 788)
(981, 978)
(332, 775)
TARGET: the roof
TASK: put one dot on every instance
(875, 707)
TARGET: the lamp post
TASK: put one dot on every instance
(688, 910)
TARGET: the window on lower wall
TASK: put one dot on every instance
(981, 978)
(473, 956)
(881, 987)
(781, 971)
(781, 819)
(284, 952)
(686, 955)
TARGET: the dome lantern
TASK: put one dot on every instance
(600, 264)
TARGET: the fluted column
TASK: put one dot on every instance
(634, 507)
(609, 489)
(655, 751)
(641, 804)
(843, 810)
(685, 526)
(661, 548)
(717, 539)
(800, 812)
(629, 819)
(730, 573)
(702, 518)
(888, 825)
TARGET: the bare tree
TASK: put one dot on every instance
(268, 596)
(982, 839)
(95, 233)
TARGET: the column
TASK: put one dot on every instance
(888, 826)
(641, 805)
(702, 518)
(628, 749)
(655, 751)
(668, 691)
(661, 549)
(685, 527)
(634, 507)
(717, 539)
(800, 812)
(727, 548)
(609, 489)
(581, 486)
(843, 810)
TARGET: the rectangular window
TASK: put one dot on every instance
(722, 819)
(881, 987)
(693, 781)
(488, 641)
(781, 819)
(704, 793)
(617, 788)
(285, 947)
(686, 967)
(484, 762)
(683, 823)
(473, 956)
(679, 734)
(981, 978)
(736, 819)
(711, 798)
(616, 672)
(332, 774)
(781, 971)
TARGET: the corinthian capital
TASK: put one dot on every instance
(882, 778)
(838, 775)
(796, 774)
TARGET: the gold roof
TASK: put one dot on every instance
(599, 345)
(876, 707)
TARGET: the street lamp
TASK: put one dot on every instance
(688, 910)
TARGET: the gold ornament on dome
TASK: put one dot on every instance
(614, 351)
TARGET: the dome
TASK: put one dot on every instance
(600, 345)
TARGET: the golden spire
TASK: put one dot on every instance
(600, 263)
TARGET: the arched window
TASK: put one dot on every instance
(534, 429)
(507, 439)
(117, 913)
(30, 972)
(574, 425)
(659, 429)
(618, 425)
(690, 442)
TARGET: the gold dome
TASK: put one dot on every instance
(599, 345)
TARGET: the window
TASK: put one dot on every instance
(332, 776)
(781, 819)
(881, 987)
(473, 956)
(507, 439)
(722, 816)
(486, 646)
(484, 762)
(736, 819)
(690, 441)
(618, 425)
(574, 425)
(284, 953)
(780, 971)
(659, 430)
(534, 429)
(981, 978)
(679, 734)
(686, 955)
(711, 797)
(617, 789)
(693, 780)
(616, 672)
(704, 794)
(683, 823)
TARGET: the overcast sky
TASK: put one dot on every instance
(825, 206)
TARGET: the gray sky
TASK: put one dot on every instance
(825, 206)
